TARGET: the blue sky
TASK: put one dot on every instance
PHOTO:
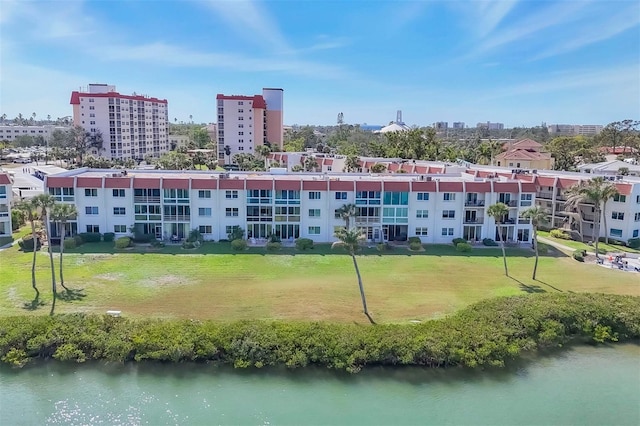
(516, 62)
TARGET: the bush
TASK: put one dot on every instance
(91, 237)
(560, 234)
(415, 246)
(457, 241)
(17, 219)
(415, 240)
(239, 245)
(273, 246)
(26, 243)
(123, 242)
(304, 243)
(157, 244)
(463, 247)
(578, 255)
(195, 235)
(236, 233)
(634, 243)
(489, 242)
(273, 238)
(78, 240)
(69, 243)
(188, 245)
(108, 237)
(143, 238)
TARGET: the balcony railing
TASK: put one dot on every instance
(512, 203)
(369, 219)
(145, 199)
(545, 194)
(177, 217)
(471, 221)
(474, 203)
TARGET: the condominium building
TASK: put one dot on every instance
(10, 132)
(574, 129)
(5, 205)
(132, 126)
(246, 122)
(436, 207)
(491, 126)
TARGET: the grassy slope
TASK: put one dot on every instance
(318, 286)
(602, 247)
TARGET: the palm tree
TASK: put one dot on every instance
(30, 210)
(537, 215)
(574, 198)
(598, 191)
(351, 164)
(346, 212)
(498, 211)
(61, 214)
(350, 240)
(46, 202)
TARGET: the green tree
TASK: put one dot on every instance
(200, 138)
(346, 212)
(46, 202)
(310, 164)
(378, 168)
(81, 142)
(351, 164)
(294, 145)
(498, 211)
(598, 191)
(574, 198)
(538, 216)
(30, 210)
(350, 240)
(61, 214)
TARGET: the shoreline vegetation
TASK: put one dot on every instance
(487, 333)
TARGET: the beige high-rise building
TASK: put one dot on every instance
(132, 126)
(246, 122)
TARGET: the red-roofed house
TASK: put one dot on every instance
(525, 154)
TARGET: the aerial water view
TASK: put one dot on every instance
(278, 212)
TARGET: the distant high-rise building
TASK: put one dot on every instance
(132, 126)
(458, 124)
(491, 126)
(245, 122)
(440, 125)
(574, 129)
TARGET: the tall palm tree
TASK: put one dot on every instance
(538, 216)
(30, 210)
(350, 240)
(598, 191)
(498, 211)
(61, 214)
(574, 198)
(46, 202)
(346, 212)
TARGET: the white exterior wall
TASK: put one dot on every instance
(10, 133)
(6, 194)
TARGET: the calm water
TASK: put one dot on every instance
(585, 386)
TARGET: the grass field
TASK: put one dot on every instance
(603, 248)
(320, 284)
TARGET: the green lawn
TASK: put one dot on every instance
(213, 282)
(603, 248)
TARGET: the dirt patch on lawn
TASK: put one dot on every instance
(164, 281)
(110, 277)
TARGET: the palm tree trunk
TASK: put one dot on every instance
(33, 264)
(606, 234)
(54, 288)
(364, 299)
(597, 231)
(61, 253)
(535, 239)
(504, 254)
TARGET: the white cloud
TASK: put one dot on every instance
(490, 14)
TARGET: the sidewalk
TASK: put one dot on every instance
(626, 264)
(561, 246)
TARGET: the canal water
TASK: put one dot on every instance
(581, 386)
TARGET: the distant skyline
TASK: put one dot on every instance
(520, 63)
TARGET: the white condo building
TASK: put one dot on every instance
(245, 122)
(10, 132)
(132, 126)
(5, 205)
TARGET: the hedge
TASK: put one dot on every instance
(123, 242)
(239, 245)
(560, 234)
(91, 237)
(26, 243)
(108, 237)
(488, 333)
(489, 242)
(69, 243)
(304, 243)
(463, 247)
(273, 246)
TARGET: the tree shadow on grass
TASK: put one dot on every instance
(548, 285)
(72, 295)
(529, 288)
(33, 305)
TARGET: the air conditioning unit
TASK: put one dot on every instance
(534, 171)
(428, 178)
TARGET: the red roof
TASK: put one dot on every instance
(288, 185)
(259, 184)
(368, 185)
(328, 162)
(422, 169)
(479, 187)
(546, 181)
(393, 167)
(566, 183)
(623, 188)
(423, 186)
(231, 184)
(511, 187)
(450, 187)
(117, 182)
(528, 187)
(204, 184)
(75, 97)
(396, 186)
(4, 179)
(341, 185)
(314, 185)
(59, 182)
(258, 100)
(175, 183)
(89, 182)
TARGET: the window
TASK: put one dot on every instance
(448, 214)
(314, 212)
(396, 198)
(90, 192)
(449, 196)
(3, 192)
(422, 231)
(314, 195)
(341, 195)
(93, 228)
(241, 133)
(119, 211)
(118, 192)
(91, 210)
(525, 201)
(615, 232)
(635, 233)
(62, 194)
(423, 196)
(368, 197)
(229, 229)
(636, 217)
(120, 229)
(422, 214)
(619, 198)
(205, 229)
(447, 232)
(231, 194)
(204, 211)
(617, 215)
(231, 212)
(638, 199)
(314, 230)
(204, 193)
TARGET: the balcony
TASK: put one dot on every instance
(474, 203)
(366, 220)
(512, 203)
(177, 217)
(144, 199)
(548, 195)
(473, 220)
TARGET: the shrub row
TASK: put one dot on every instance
(489, 242)
(487, 333)
(560, 234)
(579, 255)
